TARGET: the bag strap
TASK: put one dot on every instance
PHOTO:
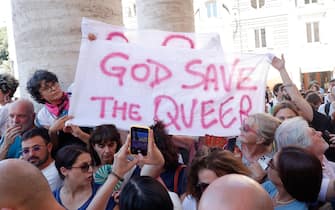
(176, 177)
(327, 107)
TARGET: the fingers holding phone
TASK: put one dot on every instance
(154, 155)
(122, 163)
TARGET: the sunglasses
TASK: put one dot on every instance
(85, 167)
(201, 187)
(35, 148)
(247, 128)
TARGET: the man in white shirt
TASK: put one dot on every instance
(328, 107)
(36, 149)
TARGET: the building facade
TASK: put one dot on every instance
(302, 30)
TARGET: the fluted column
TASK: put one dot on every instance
(47, 34)
(169, 15)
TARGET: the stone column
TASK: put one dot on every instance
(168, 15)
(47, 34)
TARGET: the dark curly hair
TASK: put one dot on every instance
(8, 84)
(34, 83)
(165, 145)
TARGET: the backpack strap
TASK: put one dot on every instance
(327, 107)
(176, 177)
(162, 182)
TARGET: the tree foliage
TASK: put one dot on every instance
(3, 45)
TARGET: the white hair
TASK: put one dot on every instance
(293, 132)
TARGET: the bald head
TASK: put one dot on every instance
(22, 186)
(25, 103)
(21, 113)
(235, 192)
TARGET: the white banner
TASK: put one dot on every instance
(150, 38)
(194, 92)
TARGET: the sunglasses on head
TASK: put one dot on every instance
(246, 128)
(85, 167)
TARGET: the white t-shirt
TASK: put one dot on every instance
(189, 203)
(4, 114)
(175, 200)
(322, 109)
(44, 118)
(52, 176)
(328, 172)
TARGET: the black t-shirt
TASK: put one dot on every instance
(324, 123)
(65, 139)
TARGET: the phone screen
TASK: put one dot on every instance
(139, 140)
(264, 162)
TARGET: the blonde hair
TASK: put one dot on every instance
(267, 125)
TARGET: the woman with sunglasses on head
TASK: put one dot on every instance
(295, 177)
(256, 142)
(74, 165)
(209, 164)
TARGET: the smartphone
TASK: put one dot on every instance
(139, 137)
(264, 162)
(231, 144)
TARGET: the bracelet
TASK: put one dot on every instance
(117, 176)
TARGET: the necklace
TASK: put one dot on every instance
(279, 202)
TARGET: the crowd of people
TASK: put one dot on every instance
(283, 161)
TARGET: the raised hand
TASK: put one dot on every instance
(154, 155)
(278, 63)
(122, 164)
(59, 124)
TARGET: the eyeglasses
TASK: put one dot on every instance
(85, 167)
(246, 128)
(201, 186)
(49, 86)
(272, 165)
(35, 148)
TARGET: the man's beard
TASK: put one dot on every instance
(39, 161)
